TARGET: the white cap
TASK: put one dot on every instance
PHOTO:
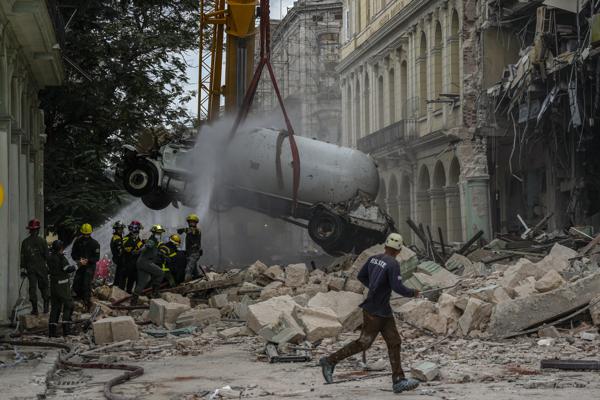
(394, 240)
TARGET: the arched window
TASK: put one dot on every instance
(423, 75)
(437, 61)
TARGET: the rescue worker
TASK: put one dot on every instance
(168, 257)
(193, 245)
(132, 244)
(148, 271)
(34, 253)
(86, 252)
(116, 248)
(60, 291)
(381, 274)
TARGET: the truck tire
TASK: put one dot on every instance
(328, 230)
(139, 179)
(157, 200)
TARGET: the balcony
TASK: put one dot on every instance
(394, 134)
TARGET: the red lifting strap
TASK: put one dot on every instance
(265, 60)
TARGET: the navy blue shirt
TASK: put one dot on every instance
(381, 274)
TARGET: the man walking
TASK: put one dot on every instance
(193, 245)
(381, 274)
(86, 252)
(34, 253)
(60, 298)
(148, 271)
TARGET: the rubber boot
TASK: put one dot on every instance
(405, 384)
(134, 300)
(327, 369)
(46, 306)
(156, 292)
(66, 325)
(52, 330)
(34, 308)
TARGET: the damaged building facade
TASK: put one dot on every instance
(408, 98)
(305, 54)
(540, 115)
(29, 61)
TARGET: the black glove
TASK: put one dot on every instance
(23, 273)
(180, 230)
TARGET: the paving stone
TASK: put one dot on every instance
(425, 372)
(343, 304)
(296, 275)
(550, 281)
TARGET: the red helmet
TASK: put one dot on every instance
(34, 224)
(135, 226)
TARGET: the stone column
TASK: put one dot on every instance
(477, 206)
(16, 232)
(438, 211)
(453, 214)
(423, 209)
(4, 215)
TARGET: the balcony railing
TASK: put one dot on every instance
(395, 133)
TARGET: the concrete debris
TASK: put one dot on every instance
(595, 310)
(475, 316)
(589, 336)
(336, 283)
(492, 294)
(117, 294)
(29, 322)
(550, 281)
(546, 342)
(425, 372)
(318, 322)
(423, 314)
(549, 332)
(343, 304)
(518, 272)
(275, 273)
(296, 275)
(267, 312)
(526, 288)
(163, 313)
(115, 329)
(218, 301)
(175, 298)
(354, 285)
(198, 317)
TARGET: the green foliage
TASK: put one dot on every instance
(125, 73)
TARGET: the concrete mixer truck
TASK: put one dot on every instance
(335, 200)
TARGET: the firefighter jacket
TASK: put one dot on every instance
(34, 253)
(86, 247)
(116, 248)
(167, 255)
(193, 240)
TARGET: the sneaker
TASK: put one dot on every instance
(327, 369)
(405, 384)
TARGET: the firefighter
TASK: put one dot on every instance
(60, 291)
(168, 256)
(86, 252)
(193, 245)
(34, 253)
(148, 271)
(116, 248)
(132, 244)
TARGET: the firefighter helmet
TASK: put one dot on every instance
(175, 239)
(192, 218)
(34, 224)
(157, 229)
(86, 229)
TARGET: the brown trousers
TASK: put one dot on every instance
(372, 326)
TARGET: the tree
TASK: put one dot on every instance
(125, 73)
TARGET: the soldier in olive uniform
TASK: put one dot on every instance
(34, 253)
(86, 252)
(148, 271)
(116, 248)
(60, 291)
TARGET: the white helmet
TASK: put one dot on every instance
(394, 241)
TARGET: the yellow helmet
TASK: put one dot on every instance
(86, 229)
(175, 239)
(157, 229)
(192, 218)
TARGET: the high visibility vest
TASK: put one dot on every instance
(130, 245)
(167, 254)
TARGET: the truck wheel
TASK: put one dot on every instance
(157, 200)
(139, 179)
(327, 230)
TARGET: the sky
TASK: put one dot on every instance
(278, 9)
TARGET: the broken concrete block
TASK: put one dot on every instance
(124, 328)
(558, 258)
(175, 298)
(286, 330)
(218, 301)
(526, 287)
(267, 312)
(425, 372)
(595, 310)
(548, 332)
(115, 329)
(458, 263)
(492, 294)
(275, 272)
(198, 317)
(311, 289)
(546, 342)
(519, 271)
(296, 275)
(156, 313)
(354, 285)
(172, 311)
(317, 276)
(499, 295)
(447, 308)
(117, 294)
(423, 314)
(318, 322)
(255, 270)
(248, 288)
(550, 281)
(461, 302)
(302, 299)
(519, 314)
(230, 332)
(343, 304)
(336, 283)
(28, 321)
(476, 314)
(589, 336)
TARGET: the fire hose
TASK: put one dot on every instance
(132, 371)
